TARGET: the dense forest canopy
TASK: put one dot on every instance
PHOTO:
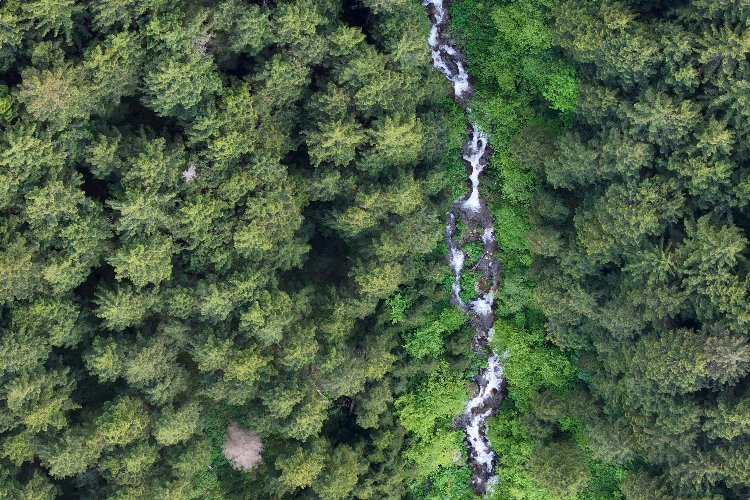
(204, 208)
(643, 240)
(222, 262)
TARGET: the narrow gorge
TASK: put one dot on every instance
(470, 221)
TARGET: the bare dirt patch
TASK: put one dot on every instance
(242, 448)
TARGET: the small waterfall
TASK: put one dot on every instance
(472, 211)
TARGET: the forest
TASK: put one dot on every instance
(226, 272)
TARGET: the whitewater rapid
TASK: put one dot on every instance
(473, 213)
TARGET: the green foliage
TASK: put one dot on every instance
(428, 340)
(335, 142)
(144, 263)
(122, 422)
(176, 425)
(512, 226)
(604, 482)
(123, 307)
(56, 95)
(469, 282)
(515, 481)
(425, 411)
(7, 111)
(398, 304)
(440, 396)
(435, 452)
(474, 251)
(301, 468)
(39, 400)
(561, 90)
(560, 468)
(451, 482)
(530, 364)
(53, 17)
(340, 474)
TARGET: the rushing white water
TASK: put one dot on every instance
(475, 216)
(476, 157)
(490, 385)
(458, 76)
(457, 260)
(483, 305)
(488, 235)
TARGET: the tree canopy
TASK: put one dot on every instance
(205, 210)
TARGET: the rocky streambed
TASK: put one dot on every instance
(471, 212)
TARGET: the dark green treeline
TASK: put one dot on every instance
(642, 241)
(203, 209)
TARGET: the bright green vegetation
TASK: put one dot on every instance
(622, 185)
(526, 96)
(623, 223)
(524, 89)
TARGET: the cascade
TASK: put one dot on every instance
(474, 214)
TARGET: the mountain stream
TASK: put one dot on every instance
(471, 212)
